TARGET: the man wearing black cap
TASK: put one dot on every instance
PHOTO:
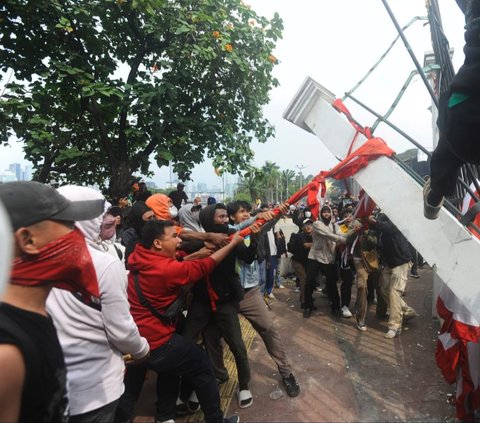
(178, 196)
(48, 252)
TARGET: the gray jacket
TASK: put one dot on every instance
(325, 239)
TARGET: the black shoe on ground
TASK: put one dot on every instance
(291, 385)
(307, 313)
(414, 275)
(232, 419)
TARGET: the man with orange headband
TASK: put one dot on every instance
(48, 252)
(164, 209)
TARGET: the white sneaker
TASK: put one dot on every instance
(361, 326)
(271, 296)
(391, 334)
(346, 312)
(297, 289)
(280, 286)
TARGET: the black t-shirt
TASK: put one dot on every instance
(44, 397)
(301, 253)
(177, 197)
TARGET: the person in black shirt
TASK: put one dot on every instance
(178, 196)
(302, 243)
(48, 252)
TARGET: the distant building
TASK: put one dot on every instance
(28, 173)
(17, 170)
(20, 174)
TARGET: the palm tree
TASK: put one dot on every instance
(287, 181)
(271, 173)
(251, 185)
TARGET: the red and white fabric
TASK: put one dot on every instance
(458, 348)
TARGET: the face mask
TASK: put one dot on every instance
(173, 212)
(308, 214)
(108, 229)
(64, 263)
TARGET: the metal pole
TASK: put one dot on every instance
(396, 128)
(410, 52)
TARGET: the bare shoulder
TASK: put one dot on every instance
(12, 369)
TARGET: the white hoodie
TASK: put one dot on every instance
(93, 340)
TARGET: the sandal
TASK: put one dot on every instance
(245, 398)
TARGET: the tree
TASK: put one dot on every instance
(288, 177)
(270, 171)
(99, 86)
(251, 186)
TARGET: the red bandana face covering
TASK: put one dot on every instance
(64, 263)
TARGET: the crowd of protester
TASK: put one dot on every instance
(342, 249)
(101, 293)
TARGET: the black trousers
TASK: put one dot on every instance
(225, 318)
(103, 414)
(347, 276)
(133, 380)
(444, 168)
(180, 357)
(330, 273)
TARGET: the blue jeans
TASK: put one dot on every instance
(262, 276)
(271, 266)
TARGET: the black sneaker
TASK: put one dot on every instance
(291, 385)
(232, 419)
(307, 313)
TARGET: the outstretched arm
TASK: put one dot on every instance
(12, 369)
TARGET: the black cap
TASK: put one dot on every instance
(29, 202)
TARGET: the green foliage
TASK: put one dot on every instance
(98, 87)
(268, 183)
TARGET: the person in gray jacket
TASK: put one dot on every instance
(95, 336)
(321, 258)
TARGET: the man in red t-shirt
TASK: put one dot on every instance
(160, 277)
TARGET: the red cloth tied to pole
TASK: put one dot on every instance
(349, 166)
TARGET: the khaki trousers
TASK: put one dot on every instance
(393, 282)
(362, 290)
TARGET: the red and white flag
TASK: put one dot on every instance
(364, 207)
(458, 348)
(458, 353)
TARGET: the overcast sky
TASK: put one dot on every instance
(335, 43)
